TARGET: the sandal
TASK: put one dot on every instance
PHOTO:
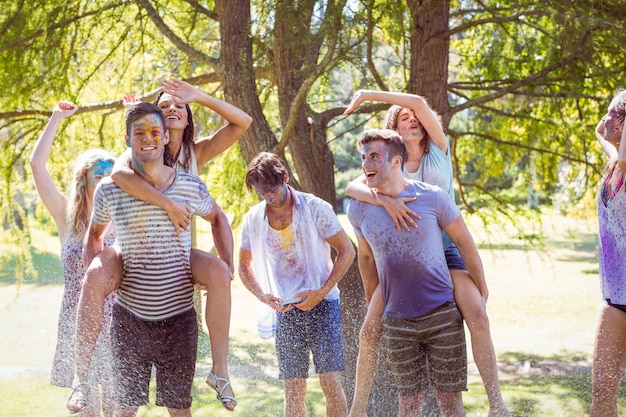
(83, 402)
(212, 381)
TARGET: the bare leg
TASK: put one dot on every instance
(123, 411)
(367, 361)
(213, 274)
(474, 312)
(609, 362)
(411, 405)
(450, 404)
(336, 403)
(102, 277)
(178, 412)
(295, 390)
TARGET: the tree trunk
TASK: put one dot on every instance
(237, 73)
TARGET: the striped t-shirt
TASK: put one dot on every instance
(157, 282)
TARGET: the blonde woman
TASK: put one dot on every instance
(71, 216)
(609, 355)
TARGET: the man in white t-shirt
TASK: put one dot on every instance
(285, 262)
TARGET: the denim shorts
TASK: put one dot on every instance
(300, 333)
(169, 344)
(453, 258)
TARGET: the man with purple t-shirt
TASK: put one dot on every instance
(423, 336)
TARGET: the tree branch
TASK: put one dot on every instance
(59, 25)
(515, 85)
(303, 91)
(176, 40)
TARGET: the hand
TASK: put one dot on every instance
(65, 108)
(129, 100)
(182, 91)
(180, 216)
(275, 302)
(357, 99)
(311, 298)
(403, 217)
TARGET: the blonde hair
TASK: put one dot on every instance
(77, 211)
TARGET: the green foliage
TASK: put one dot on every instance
(226, 182)
(527, 83)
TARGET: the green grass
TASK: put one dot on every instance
(542, 308)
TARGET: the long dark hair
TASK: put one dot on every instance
(188, 139)
(391, 122)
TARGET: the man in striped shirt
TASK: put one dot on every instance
(154, 322)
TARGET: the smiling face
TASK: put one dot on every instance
(176, 114)
(613, 125)
(408, 126)
(147, 138)
(376, 163)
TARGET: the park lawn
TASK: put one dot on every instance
(542, 307)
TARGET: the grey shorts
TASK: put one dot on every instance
(426, 350)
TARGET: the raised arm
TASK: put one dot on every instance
(52, 198)
(396, 207)
(345, 255)
(222, 234)
(462, 238)
(621, 152)
(134, 184)
(418, 104)
(607, 147)
(237, 120)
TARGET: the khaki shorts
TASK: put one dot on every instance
(426, 350)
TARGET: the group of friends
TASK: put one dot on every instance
(130, 268)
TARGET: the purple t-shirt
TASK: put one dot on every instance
(412, 267)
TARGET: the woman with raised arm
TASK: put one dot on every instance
(428, 160)
(71, 216)
(214, 274)
(609, 355)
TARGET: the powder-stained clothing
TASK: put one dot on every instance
(157, 282)
(435, 169)
(411, 266)
(295, 259)
(612, 242)
(73, 274)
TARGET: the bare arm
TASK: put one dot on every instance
(237, 120)
(396, 207)
(345, 255)
(94, 241)
(249, 280)
(134, 184)
(607, 147)
(621, 153)
(222, 234)
(367, 267)
(52, 198)
(462, 238)
(418, 104)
